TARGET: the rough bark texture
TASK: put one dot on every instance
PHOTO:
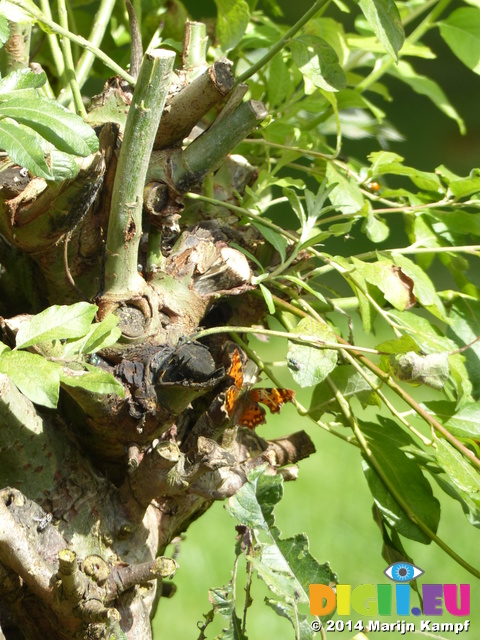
(95, 492)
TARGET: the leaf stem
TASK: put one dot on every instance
(53, 41)
(277, 145)
(375, 387)
(315, 8)
(194, 53)
(56, 28)
(68, 58)
(247, 213)
(100, 24)
(311, 341)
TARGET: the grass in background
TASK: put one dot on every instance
(331, 502)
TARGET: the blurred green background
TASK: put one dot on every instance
(330, 501)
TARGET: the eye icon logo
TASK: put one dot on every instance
(403, 572)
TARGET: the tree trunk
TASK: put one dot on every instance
(95, 491)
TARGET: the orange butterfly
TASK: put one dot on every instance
(243, 406)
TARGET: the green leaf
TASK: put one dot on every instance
(465, 327)
(37, 378)
(101, 335)
(386, 442)
(110, 109)
(431, 339)
(451, 225)
(278, 241)
(233, 18)
(318, 61)
(429, 88)
(23, 148)
(57, 323)
(384, 19)
(423, 288)
(267, 296)
(460, 187)
(95, 380)
(461, 31)
(372, 45)
(463, 475)
(253, 504)
(314, 364)
(224, 603)
(62, 128)
(386, 162)
(359, 287)
(347, 195)
(432, 369)
(279, 82)
(399, 345)
(392, 282)
(375, 229)
(286, 566)
(464, 423)
(315, 202)
(296, 205)
(470, 508)
(15, 14)
(427, 336)
(63, 165)
(22, 79)
(350, 383)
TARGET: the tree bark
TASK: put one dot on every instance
(94, 492)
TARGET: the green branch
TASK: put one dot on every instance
(68, 58)
(311, 341)
(15, 52)
(56, 28)
(100, 24)
(241, 211)
(125, 222)
(53, 41)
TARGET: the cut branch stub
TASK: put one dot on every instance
(206, 153)
(194, 45)
(185, 108)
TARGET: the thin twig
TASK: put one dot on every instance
(68, 59)
(67, 268)
(100, 24)
(56, 28)
(315, 8)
